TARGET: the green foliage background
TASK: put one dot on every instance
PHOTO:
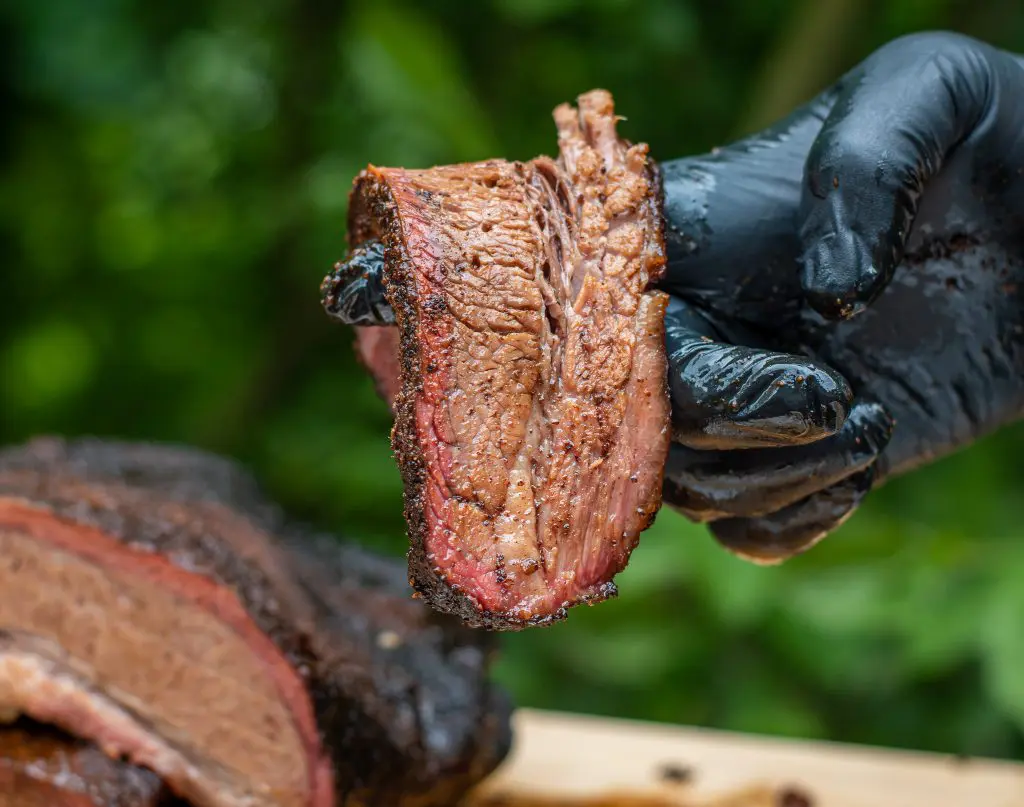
(174, 187)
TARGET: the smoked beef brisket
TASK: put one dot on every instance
(152, 602)
(531, 404)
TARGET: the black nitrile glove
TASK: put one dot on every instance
(878, 231)
(856, 265)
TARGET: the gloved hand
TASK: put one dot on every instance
(856, 266)
(879, 232)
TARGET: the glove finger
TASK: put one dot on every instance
(711, 485)
(354, 291)
(896, 119)
(771, 539)
(726, 396)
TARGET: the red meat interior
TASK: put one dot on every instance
(534, 404)
(151, 662)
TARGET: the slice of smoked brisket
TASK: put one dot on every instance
(531, 408)
(152, 602)
(41, 767)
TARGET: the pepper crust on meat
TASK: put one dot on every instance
(531, 404)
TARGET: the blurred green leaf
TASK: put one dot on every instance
(402, 60)
(1002, 635)
(48, 365)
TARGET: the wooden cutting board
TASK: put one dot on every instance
(562, 759)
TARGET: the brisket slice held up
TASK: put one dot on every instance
(531, 403)
(153, 603)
